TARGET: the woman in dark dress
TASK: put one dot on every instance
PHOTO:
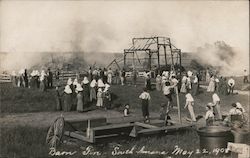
(67, 98)
(85, 86)
(107, 98)
(79, 97)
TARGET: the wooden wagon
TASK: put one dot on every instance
(92, 130)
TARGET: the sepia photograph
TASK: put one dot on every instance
(124, 79)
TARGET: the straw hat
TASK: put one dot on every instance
(37, 73)
(107, 85)
(164, 78)
(100, 83)
(93, 83)
(43, 73)
(189, 97)
(33, 73)
(79, 87)
(99, 90)
(75, 82)
(85, 80)
(210, 104)
(67, 89)
(189, 73)
(69, 82)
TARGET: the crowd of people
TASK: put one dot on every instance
(79, 95)
(169, 83)
(94, 89)
(220, 84)
(41, 80)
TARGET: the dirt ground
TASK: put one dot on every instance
(45, 119)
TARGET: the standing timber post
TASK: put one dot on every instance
(158, 53)
(151, 46)
(124, 59)
(165, 55)
(180, 58)
(149, 59)
(133, 60)
(172, 57)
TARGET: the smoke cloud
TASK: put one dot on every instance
(30, 28)
(221, 56)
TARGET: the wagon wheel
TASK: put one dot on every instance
(55, 133)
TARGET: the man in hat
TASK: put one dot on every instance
(50, 78)
(145, 98)
(231, 84)
(245, 79)
(123, 76)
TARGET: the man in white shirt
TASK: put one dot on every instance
(216, 102)
(231, 84)
(245, 80)
(145, 98)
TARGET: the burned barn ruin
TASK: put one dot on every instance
(152, 53)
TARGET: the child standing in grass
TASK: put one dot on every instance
(126, 110)
(99, 98)
(145, 98)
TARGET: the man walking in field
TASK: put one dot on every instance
(245, 79)
(231, 84)
(145, 98)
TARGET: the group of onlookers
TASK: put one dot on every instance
(35, 79)
(107, 75)
(94, 90)
(221, 85)
(81, 94)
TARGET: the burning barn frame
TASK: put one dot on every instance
(152, 53)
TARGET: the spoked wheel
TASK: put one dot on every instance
(55, 133)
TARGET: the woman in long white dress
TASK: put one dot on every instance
(183, 84)
(158, 83)
(211, 85)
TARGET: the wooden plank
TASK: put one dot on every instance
(78, 136)
(106, 136)
(145, 125)
(113, 126)
(161, 129)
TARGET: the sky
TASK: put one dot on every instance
(109, 26)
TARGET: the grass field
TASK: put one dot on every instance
(26, 141)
